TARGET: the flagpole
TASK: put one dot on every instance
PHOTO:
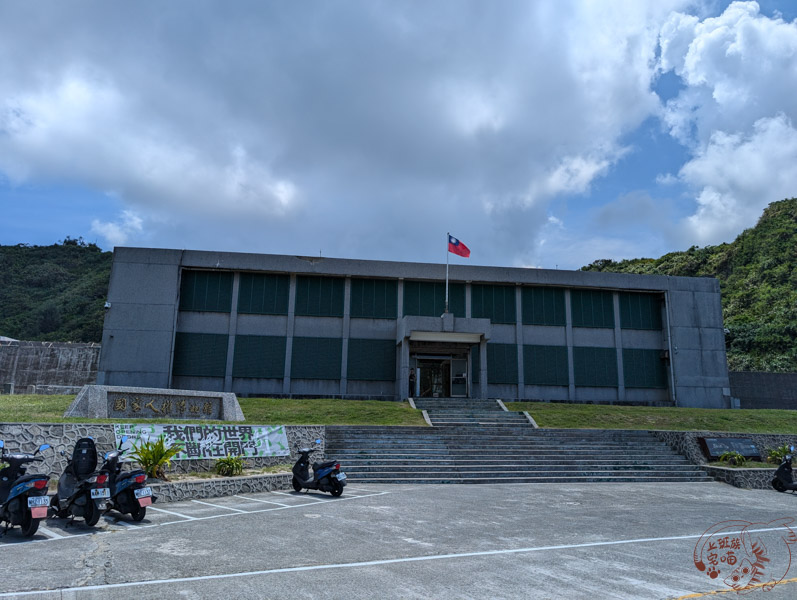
(448, 237)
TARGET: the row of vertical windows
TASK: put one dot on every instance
(265, 293)
(592, 367)
(205, 355)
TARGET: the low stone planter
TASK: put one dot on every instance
(175, 491)
(755, 479)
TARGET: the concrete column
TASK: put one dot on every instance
(286, 380)
(521, 377)
(571, 369)
(618, 344)
(468, 301)
(344, 361)
(404, 369)
(483, 369)
(233, 327)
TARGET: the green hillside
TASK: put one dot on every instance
(758, 278)
(53, 293)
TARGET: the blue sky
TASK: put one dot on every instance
(542, 134)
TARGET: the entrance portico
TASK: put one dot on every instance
(436, 358)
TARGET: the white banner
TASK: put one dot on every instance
(209, 441)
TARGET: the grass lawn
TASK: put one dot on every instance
(50, 409)
(594, 416)
(269, 411)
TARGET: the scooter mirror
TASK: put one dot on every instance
(62, 453)
(318, 441)
(43, 447)
(124, 439)
(791, 448)
(2, 444)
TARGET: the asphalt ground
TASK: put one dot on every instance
(594, 541)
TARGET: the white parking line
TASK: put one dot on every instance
(296, 495)
(258, 500)
(171, 512)
(220, 506)
(371, 563)
(50, 534)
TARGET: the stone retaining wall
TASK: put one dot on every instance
(686, 444)
(220, 486)
(754, 479)
(26, 437)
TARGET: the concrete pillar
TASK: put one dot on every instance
(344, 361)
(571, 369)
(286, 380)
(618, 344)
(521, 376)
(483, 369)
(231, 330)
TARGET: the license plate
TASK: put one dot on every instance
(101, 493)
(143, 492)
(341, 476)
(144, 501)
(40, 512)
(38, 501)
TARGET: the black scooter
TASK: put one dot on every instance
(82, 492)
(327, 476)
(23, 498)
(128, 492)
(783, 481)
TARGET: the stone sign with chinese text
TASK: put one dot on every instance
(104, 402)
(209, 441)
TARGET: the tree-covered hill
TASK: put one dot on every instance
(53, 293)
(758, 278)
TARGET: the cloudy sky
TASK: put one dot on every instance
(545, 133)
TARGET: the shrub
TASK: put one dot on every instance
(155, 456)
(733, 458)
(230, 466)
(776, 455)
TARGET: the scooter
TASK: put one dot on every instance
(326, 477)
(82, 492)
(783, 480)
(128, 492)
(23, 498)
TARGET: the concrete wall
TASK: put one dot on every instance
(140, 326)
(47, 367)
(764, 390)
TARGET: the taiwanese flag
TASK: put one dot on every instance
(457, 247)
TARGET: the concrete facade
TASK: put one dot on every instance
(145, 316)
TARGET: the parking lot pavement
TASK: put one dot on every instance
(457, 541)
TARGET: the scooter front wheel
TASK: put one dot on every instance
(296, 485)
(778, 485)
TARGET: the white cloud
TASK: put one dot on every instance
(736, 115)
(118, 233)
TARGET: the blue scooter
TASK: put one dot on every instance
(23, 498)
(326, 477)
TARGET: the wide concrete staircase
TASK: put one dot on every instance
(447, 412)
(464, 449)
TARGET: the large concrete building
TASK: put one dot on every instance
(271, 325)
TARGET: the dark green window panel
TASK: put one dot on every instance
(543, 306)
(592, 308)
(263, 293)
(319, 296)
(475, 363)
(259, 356)
(643, 369)
(206, 291)
(595, 367)
(374, 298)
(316, 358)
(428, 298)
(502, 363)
(545, 365)
(372, 360)
(640, 311)
(494, 302)
(200, 355)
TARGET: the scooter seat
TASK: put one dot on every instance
(324, 465)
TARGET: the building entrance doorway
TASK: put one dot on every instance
(440, 377)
